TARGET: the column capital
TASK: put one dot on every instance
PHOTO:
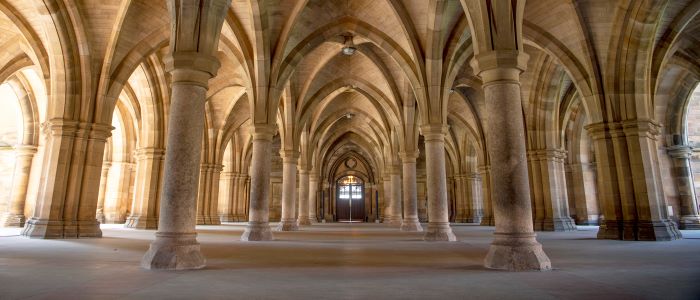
(603, 130)
(60, 127)
(289, 156)
(408, 156)
(100, 131)
(434, 132)
(499, 65)
(648, 128)
(303, 172)
(25, 150)
(680, 151)
(263, 131)
(149, 152)
(547, 154)
(314, 176)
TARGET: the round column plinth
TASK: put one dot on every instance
(174, 251)
(516, 252)
(257, 231)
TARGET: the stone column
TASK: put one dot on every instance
(20, 181)
(289, 184)
(149, 170)
(304, 197)
(388, 217)
(313, 191)
(583, 193)
(689, 219)
(548, 188)
(474, 198)
(514, 246)
(487, 218)
(395, 207)
(226, 193)
(241, 200)
(202, 193)
(258, 228)
(176, 246)
(213, 200)
(410, 193)
(438, 210)
(103, 192)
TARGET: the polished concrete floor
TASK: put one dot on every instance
(347, 261)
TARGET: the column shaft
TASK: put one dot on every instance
(313, 191)
(410, 194)
(514, 246)
(149, 180)
(258, 228)
(304, 197)
(20, 181)
(395, 206)
(176, 246)
(683, 176)
(289, 182)
(438, 210)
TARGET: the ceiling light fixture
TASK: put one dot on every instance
(348, 45)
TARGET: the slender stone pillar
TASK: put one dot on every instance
(289, 184)
(514, 246)
(258, 228)
(689, 219)
(103, 191)
(474, 198)
(304, 197)
(395, 207)
(487, 218)
(438, 211)
(242, 197)
(388, 216)
(459, 197)
(149, 170)
(410, 193)
(213, 200)
(14, 217)
(313, 191)
(226, 193)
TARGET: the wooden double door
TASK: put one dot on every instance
(350, 203)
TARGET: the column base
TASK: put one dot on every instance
(663, 230)
(12, 220)
(46, 229)
(174, 251)
(690, 223)
(100, 217)
(475, 220)
(393, 221)
(517, 252)
(312, 220)
(141, 222)
(257, 231)
(213, 221)
(487, 221)
(559, 224)
(438, 232)
(303, 221)
(411, 225)
(227, 218)
(287, 225)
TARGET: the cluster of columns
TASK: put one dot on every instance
(208, 194)
(468, 192)
(233, 200)
(548, 190)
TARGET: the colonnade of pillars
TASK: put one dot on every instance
(187, 182)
